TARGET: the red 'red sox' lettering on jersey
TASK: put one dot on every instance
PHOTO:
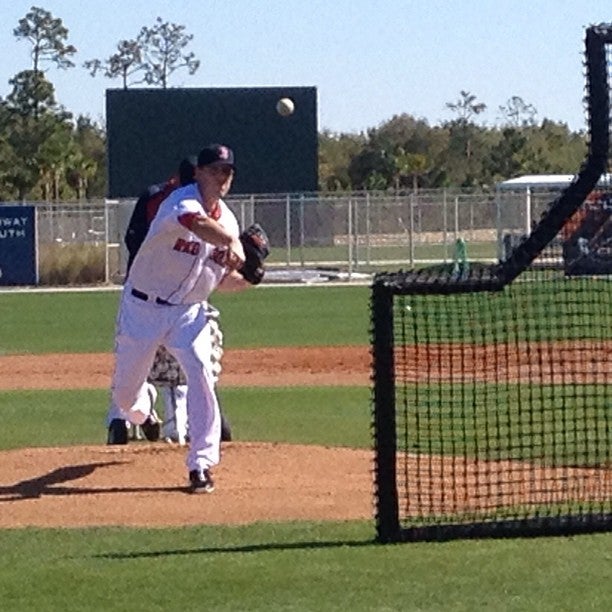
(218, 256)
(190, 270)
(191, 247)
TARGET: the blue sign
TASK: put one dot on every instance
(18, 260)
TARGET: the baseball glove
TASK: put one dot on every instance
(256, 248)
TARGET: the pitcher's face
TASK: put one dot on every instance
(215, 179)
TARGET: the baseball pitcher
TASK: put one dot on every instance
(192, 248)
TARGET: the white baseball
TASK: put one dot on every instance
(285, 107)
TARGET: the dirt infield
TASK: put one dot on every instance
(545, 362)
(143, 484)
(339, 365)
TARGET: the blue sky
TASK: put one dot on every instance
(368, 59)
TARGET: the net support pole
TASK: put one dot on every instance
(385, 482)
(528, 211)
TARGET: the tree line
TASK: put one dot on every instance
(407, 153)
(46, 153)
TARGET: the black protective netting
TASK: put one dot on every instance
(492, 400)
(503, 402)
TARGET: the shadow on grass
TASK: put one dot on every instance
(250, 548)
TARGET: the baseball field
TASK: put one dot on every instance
(84, 526)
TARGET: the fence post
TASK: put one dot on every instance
(411, 230)
(528, 211)
(456, 217)
(356, 234)
(367, 231)
(106, 245)
(350, 237)
(302, 233)
(288, 228)
(472, 217)
(498, 222)
(242, 214)
(445, 223)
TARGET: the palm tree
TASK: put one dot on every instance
(411, 165)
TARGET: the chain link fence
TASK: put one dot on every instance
(340, 235)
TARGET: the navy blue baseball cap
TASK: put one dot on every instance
(216, 155)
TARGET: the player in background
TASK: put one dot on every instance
(148, 203)
(165, 375)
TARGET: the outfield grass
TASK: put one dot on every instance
(83, 322)
(538, 311)
(301, 415)
(529, 421)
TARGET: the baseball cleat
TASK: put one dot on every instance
(117, 432)
(200, 481)
(151, 428)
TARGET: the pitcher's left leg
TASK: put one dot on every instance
(190, 344)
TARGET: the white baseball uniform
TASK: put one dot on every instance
(164, 301)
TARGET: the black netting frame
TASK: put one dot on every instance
(491, 401)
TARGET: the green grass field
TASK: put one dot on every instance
(326, 415)
(530, 422)
(537, 310)
(81, 322)
(264, 566)
(295, 566)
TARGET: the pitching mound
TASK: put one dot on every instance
(144, 485)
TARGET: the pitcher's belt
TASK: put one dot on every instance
(141, 295)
